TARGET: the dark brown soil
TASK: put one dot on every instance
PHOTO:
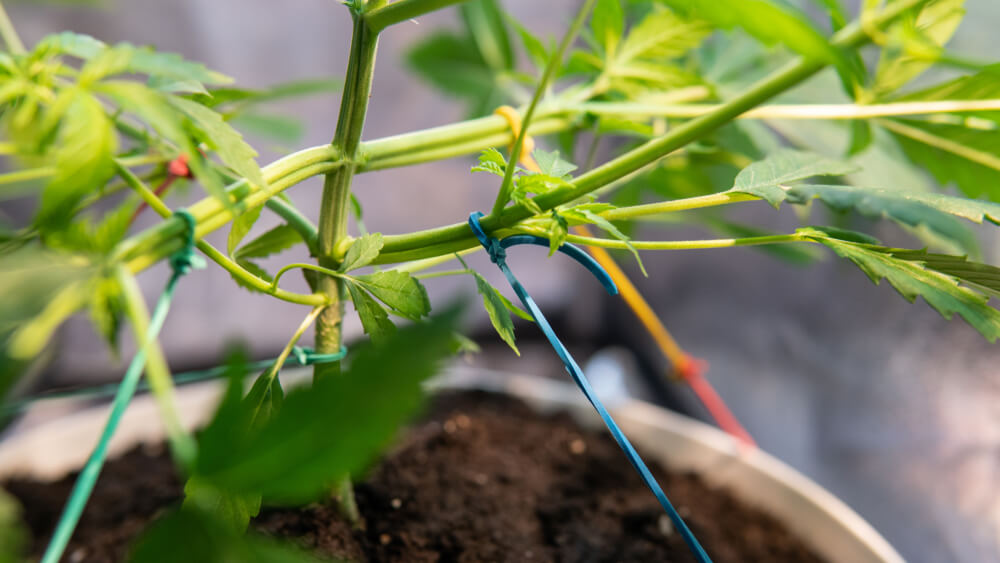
(481, 479)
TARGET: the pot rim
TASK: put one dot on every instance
(51, 449)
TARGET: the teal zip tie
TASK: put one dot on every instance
(182, 262)
(497, 250)
(303, 356)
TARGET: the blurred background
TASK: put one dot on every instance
(889, 406)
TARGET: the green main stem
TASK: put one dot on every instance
(337, 185)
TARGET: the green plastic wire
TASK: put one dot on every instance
(303, 356)
(181, 263)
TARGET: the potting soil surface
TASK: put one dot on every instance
(481, 478)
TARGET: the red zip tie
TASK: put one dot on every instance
(176, 168)
(692, 370)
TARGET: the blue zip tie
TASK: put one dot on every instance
(497, 250)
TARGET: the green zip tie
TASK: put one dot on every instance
(182, 262)
(300, 355)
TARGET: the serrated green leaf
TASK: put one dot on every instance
(587, 216)
(106, 310)
(953, 154)
(557, 232)
(662, 34)
(984, 85)
(191, 535)
(499, 315)
(765, 178)
(453, 65)
(861, 137)
(403, 293)
(549, 163)
(278, 128)
(362, 252)
(608, 24)
(223, 139)
(233, 511)
(241, 227)
(39, 290)
(913, 278)
(243, 97)
(533, 46)
(490, 160)
(83, 159)
(769, 22)
(175, 86)
(273, 241)
(983, 277)
(935, 211)
(74, 44)
(171, 65)
(13, 532)
(151, 107)
(298, 454)
(374, 319)
(931, 29)
(484, 23)
(142, 60)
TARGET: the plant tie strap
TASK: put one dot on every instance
(182, 262)
(307, 356)
(497, 250)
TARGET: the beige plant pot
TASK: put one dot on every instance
(51, 449)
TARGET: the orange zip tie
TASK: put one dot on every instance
(686, 367)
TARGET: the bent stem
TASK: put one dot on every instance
(212, 253)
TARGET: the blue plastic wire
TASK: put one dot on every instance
(301, 355)
(497, 250)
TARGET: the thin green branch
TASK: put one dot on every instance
(9, 34)
(305, 266)
(503, 196)
(297, 221)
(403, 10)
(698, 202)
(792, 111)
(279, 362)
(426, 263)
(441, 274)
(212, 253)
(665, 245)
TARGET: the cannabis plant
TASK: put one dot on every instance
(691, 95)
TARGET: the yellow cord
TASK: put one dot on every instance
(527, 146)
